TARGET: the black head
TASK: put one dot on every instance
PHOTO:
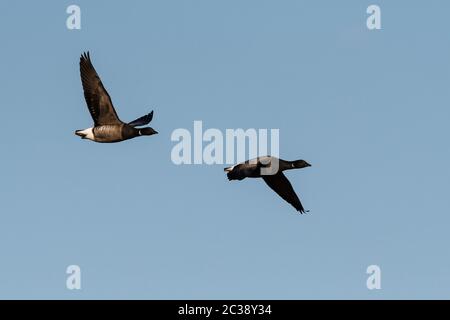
(300, 164)
(148, 131)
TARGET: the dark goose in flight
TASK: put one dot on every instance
(107, 125)
(266, 168)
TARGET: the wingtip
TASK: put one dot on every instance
(85, 56)
(150, 116)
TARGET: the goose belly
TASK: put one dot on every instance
(108, 133)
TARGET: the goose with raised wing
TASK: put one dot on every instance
(107, 125)
(270, 169)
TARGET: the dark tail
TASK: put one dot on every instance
(78, 133)
(233, 174)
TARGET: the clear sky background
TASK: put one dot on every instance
(369, 110)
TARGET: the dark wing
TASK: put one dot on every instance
(142, 121)
(281, 185)
(97, 98)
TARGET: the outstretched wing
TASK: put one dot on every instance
(97, 98)
(281, 185)
(142, 121)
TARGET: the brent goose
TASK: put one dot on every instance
(273, 176)
(107, 125)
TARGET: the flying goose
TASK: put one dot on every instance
(267, 168)
(107, 125)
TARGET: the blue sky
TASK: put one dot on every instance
(368, 109)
